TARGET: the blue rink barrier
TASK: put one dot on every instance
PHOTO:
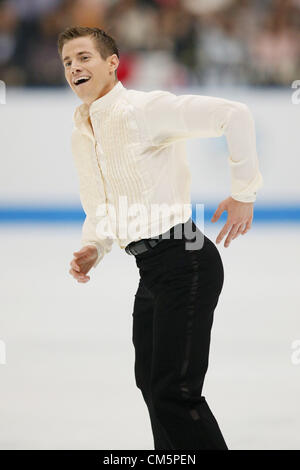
(52, 214)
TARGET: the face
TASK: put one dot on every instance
(82, 59)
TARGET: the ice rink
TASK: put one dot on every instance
(68, 381)
(67, 358)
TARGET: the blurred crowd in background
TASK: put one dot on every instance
(170, 42)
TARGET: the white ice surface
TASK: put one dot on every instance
(68, 381)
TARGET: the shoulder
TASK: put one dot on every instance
(148, 99)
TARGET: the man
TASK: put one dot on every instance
(129, 146)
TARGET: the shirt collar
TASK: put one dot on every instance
(83, 111)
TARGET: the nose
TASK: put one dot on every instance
(75, 68)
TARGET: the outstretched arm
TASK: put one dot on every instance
(170, 118)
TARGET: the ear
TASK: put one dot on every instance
(113, 62)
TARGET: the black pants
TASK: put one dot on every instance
(172, 319)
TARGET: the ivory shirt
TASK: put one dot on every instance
(135, 154)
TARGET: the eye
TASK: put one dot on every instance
(67, 64)
(85, 57)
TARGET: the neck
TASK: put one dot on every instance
(104, 90)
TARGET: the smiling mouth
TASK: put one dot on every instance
(80, 81)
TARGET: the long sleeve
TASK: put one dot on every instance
(89, 237)
(92, 199)
(170, 118)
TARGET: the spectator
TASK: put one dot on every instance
(213, 41)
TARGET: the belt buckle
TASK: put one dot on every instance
(132, 250)
(145, 244)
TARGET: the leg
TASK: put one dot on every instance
(142, 340)
(183, 318)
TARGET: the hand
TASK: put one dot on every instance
(82, 262)
(239, 214)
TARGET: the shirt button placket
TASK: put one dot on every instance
(100, 156)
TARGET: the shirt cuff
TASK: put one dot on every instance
(250, 198)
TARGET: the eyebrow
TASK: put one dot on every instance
(78, 53)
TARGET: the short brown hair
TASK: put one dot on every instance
(105, 44)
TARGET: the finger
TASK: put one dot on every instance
(78, 276)
(217, 214)
(75, 273)
(86, 279)
(75, 266)
(223, 232)
(231, 234)
(241, 227)
(80, 256)
(248, 226)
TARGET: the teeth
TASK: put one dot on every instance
(77, 80)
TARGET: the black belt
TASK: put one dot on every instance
(146, 244)
(141, 246)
